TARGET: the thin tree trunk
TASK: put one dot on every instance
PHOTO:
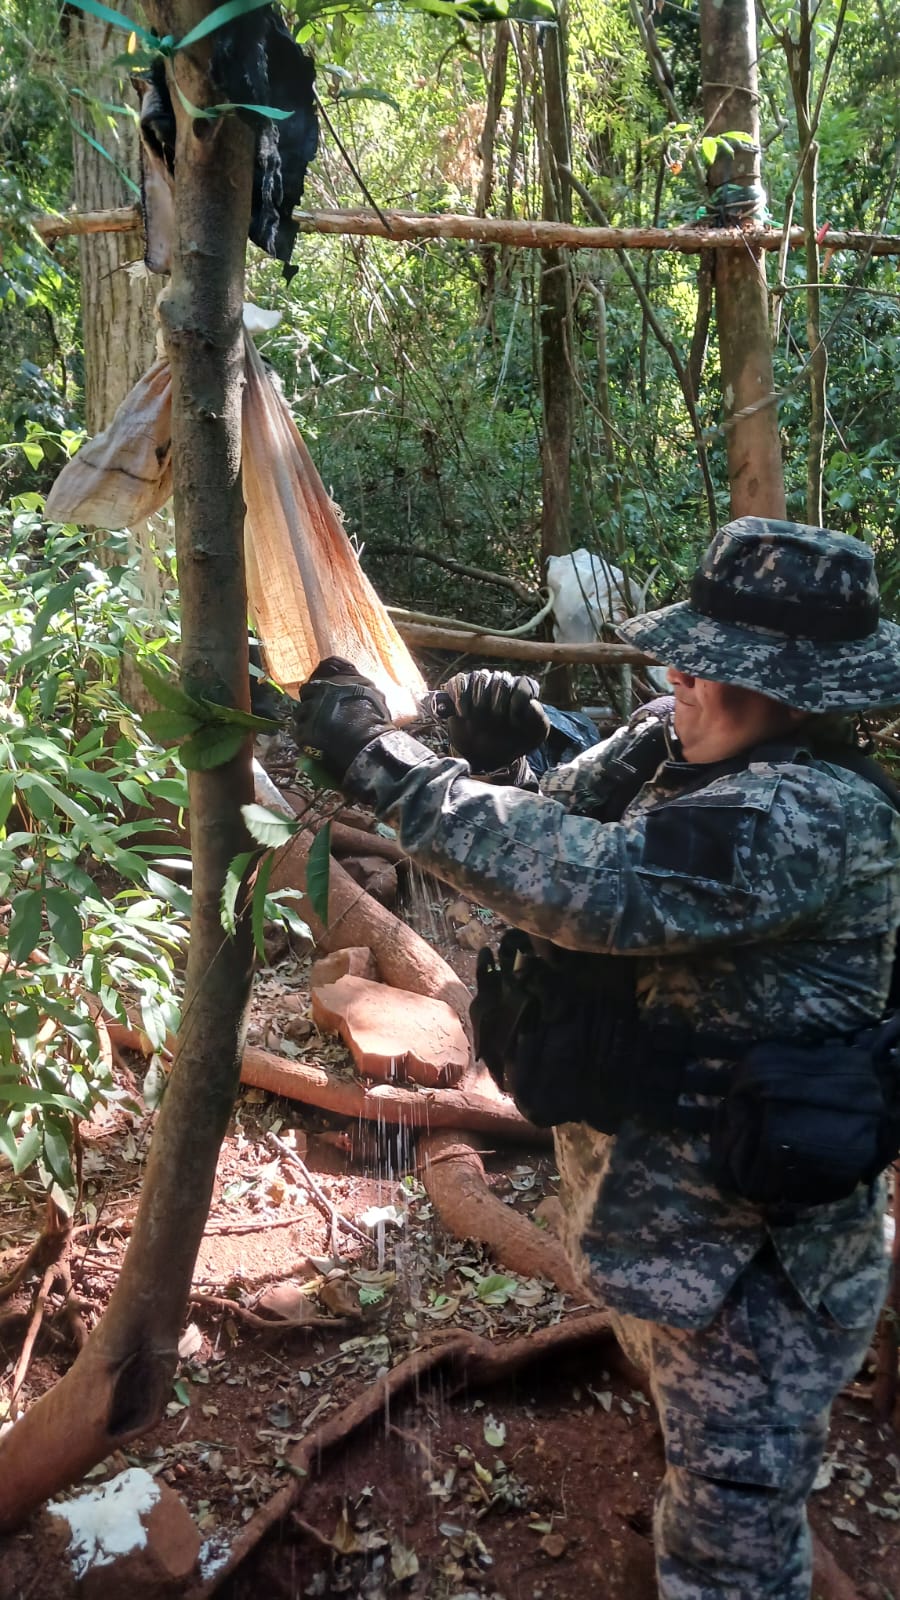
(556, 317)
(731, 104)
(799, 62)
(484, 198)
(119, 1385)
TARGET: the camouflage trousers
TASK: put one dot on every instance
(744, 1406)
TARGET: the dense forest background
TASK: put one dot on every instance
(414, 370)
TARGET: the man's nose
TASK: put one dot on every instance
(675, 678)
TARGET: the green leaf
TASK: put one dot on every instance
(211, 747)
(116, 18)
(218, 19)
(166, 692)
(258, 908)
(32, 451)
(7, 1142)
(234, 877)
(269, 827)
(318, 871)
(60, 596)
(370, 91)
(28, 1150)
(709, 149)
(7, 791)
(315, 772)
(65, 924)
(167, 727)
(56, 1154)
(174, 790)
(24, 925)
(217, 713)
(496, 1289)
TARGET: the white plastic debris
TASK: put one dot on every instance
(106, 1522)
(586, 592)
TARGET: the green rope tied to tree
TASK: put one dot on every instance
(733, 203)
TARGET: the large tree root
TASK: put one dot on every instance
(403, 958)
(387, 1102)
(465, 1358)
(453, 1175)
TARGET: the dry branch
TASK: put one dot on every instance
(403, 227)
(424, 637)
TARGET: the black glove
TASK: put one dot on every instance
(495, 719)
(338, 713)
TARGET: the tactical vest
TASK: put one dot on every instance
(788, 1124)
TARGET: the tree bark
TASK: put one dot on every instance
(556, 316)
(728, 52)
(119, 1384)
(484, 198)
(117, 308)
(799, 55)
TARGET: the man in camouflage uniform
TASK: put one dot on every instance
(757, 904)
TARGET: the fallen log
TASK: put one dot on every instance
(465, 1358)
(454, 1178)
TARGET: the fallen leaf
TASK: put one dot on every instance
(494, 1432)
(404, 1562)
(288, 1301)
(190, 1342)
(844, 1526)
(553, 1545)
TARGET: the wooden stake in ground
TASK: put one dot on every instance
(119, 1385)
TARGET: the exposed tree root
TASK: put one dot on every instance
(48, 1249)
(347, 841)
(403, 958)
(386, 1102)
(252, 1319)
(465, 1358)
(453, 1175)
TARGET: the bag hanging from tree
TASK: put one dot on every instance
(308, 595)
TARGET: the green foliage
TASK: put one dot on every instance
(89, 915)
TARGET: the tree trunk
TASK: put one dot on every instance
(119, 1385)
(557, 348)
(117, 313)
(728, 52)
(799, 62)
(485, 196)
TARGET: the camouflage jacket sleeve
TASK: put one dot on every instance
(754, 855)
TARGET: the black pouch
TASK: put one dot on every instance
(803, 1126)
(557, 1034)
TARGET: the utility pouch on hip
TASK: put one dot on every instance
(803, 1126)
(560, 1045)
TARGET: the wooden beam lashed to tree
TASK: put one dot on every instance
(411, 227)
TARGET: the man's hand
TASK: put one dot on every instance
(496, 718)
(338, 713)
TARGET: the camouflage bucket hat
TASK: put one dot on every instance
(788, 610)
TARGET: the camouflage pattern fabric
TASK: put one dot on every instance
(762, 904)
(744, 1408)
(789, 610)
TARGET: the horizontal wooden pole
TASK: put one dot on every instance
(411, 226)
(420, 636)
